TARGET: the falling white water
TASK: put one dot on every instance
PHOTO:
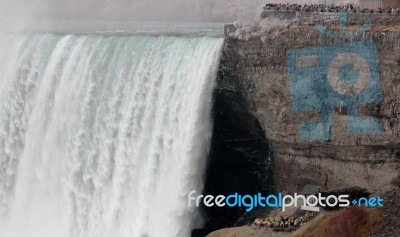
(103, 136)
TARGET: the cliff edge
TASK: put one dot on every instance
(326, 98)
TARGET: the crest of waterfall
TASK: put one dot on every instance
(103, 136)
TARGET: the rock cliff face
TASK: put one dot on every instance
(239, 161)
(332, 133)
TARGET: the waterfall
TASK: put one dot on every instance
(103, 136)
